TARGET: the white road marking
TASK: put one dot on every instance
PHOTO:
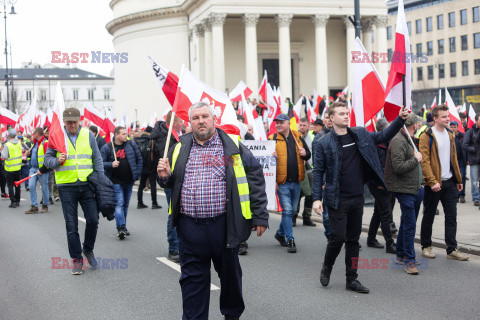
(176, 266)
(82, 219)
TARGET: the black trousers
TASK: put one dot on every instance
(345, 227)
(382, 213)
(152, 177)
(200, 242)
(448, 195)
(3, 179)
(13, 192)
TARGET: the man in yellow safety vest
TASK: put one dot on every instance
(12, 155)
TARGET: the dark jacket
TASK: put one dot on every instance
(100, 141)
(238, 228)
(104, 194)
(328, 154)
(149, 164)
(468, 146)
(159, 135)
(403, 171)
(459, 144)
(133, 156)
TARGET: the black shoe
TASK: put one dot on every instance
(242, 250)
(12, 205)
(374, 244)
(127, 233)
(156, 206)
(91, 259)
(291, 246)
(391, 248)
(308, 222)
(281, 240)
(174, 256)
(51, 201)
(231, 318)
(141, 205)
(356, 286)
(17, 203)
(121, 233)
(325, 275)
(77, 267)
(294, 220)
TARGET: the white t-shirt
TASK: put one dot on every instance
(443, 142)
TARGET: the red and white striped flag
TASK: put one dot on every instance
(434, 103)
(471, 117)
(7, 117)
(93, 115)
(58, 138)
(168, 81)
(108, 125)
(311, 115)
(262, 91)
(454, 116)
(236, 93)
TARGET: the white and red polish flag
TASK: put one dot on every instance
(368, 90)
(454, 116)
(153, 119)
(58, 138)
(401, 66)
(274, 109)
(108, 125)
(471, 117)
(262, 91)
(168, 81)
(191, 90)
(297, 109)
(311, 115)
(236, 93)
(48, 119)
(91, 114)
(434, 103)
(7, 117)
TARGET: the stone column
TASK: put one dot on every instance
(367, 34)
(381, 24)
(321, 70)
(218, 51)
(285, 65)
(208, 52)
(350, 38)
(199, 66)
(251, 64)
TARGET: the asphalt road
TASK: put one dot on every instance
(276, 284)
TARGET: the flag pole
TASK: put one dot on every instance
(113, 148)
(165, 152)
(404, 102)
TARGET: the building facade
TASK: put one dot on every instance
(303, 44)
(448, 33)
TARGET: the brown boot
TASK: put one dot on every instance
(44, 208)
(33, 209)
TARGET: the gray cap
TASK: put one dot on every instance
(12, 133)
(71, 114)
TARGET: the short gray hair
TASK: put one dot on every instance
(200, 104)
(412, 119)
(382, 124)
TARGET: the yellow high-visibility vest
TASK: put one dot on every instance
(14, 161)
(40, 154)
(79, 163)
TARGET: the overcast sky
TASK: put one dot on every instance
(42, 26)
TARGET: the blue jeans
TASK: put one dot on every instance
(463, 172)
(71, 196)
(122, 199)
(43, 179)
(24, 173)
(288, 195)
(473, 181)
(410, 206)
(171, 232)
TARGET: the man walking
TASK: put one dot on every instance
(123, 166)
(291, 152)
(443, 180)
(216, 201)
(37, 155)
(472, 160)
(12, 155)
(349, 157)
(71, 174)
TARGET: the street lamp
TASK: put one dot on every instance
(12, 11)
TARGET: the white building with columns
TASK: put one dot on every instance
(303, 44)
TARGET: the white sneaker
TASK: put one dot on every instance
(457, 255)
(428, 253)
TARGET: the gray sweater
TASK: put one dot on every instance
(51, 160)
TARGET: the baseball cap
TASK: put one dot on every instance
(454, 122)
(318, 121)
(71, 114)
(282, 117)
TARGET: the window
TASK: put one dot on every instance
(440, 22)
(28, 95)
(429, 48)
(75, 94)
(464, 68)
(0, 95)
(429, 24)
(43, 95)
(389, 32)
(441, 71)
(476, 16)
(419, 74)
(430, 72)
(452, 44)
(451, 19)
(463, 17)
(418, 26)
(106, 94)
(440, 46)
(464, 39)
(409, 27)
(90, 94)
(476, 40)
(419, 49)
(476, 66)
(390, 55)
(453, 69)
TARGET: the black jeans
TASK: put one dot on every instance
(152, 177)
(382, 214)
(13, 192)
(448, 195)
(3, 179)
(345, 227)
(71, 196)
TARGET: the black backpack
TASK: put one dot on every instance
(145, 146)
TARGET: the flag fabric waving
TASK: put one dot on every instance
(262, 91)
(454, 116)
(434, 103)
(58, 138)
(471, 117)
(7, 117)
(93, 115)
(236, 93)
(168, 81)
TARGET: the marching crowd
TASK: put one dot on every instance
(216, 195)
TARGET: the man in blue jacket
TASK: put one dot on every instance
(349, 158)
(123, 166)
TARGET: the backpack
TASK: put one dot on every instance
(145, 146)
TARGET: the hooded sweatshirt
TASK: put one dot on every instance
(5, 149)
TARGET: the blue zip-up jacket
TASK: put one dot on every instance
(133, 156)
